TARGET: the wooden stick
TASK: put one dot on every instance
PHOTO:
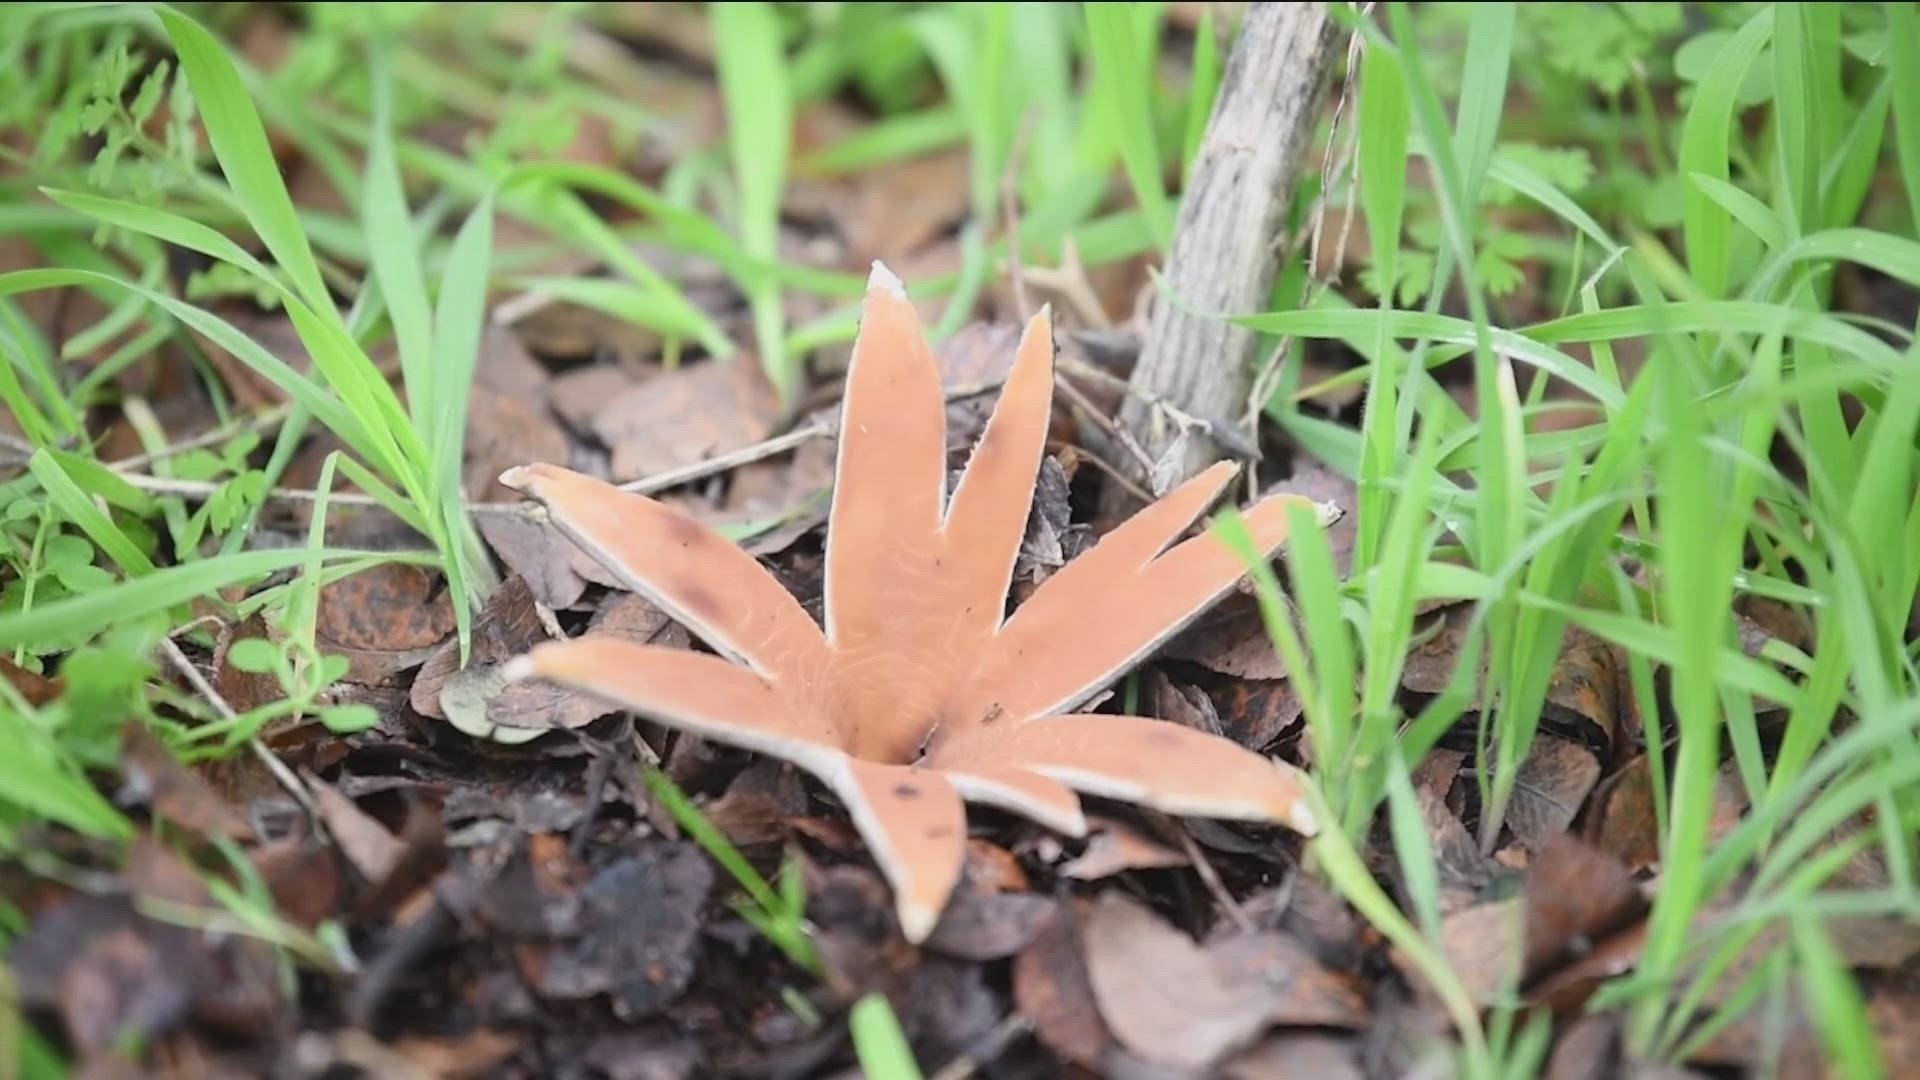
(1224, 253)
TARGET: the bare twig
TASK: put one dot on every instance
(1336, 161)
(991, 1047)
(1211, 878)
(211, 437)
(274, 765)
(1223, 257)
(1069, 280)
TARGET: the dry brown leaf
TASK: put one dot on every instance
(1052, 990)
(898, 208)
(1589, 1049)
(154, 776)
(1297, 1055)
(535, 551)
(1255, 714)
(36, 688)
(1576, 896)
(1232, 640)
(368, 846)
(1168, 1000)
(1583, 693)
(1551, 786)
(684, 416)
(504, 429)
(982, 927)
(384, 619)
(579, 395)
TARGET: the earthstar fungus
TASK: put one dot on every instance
(921, 692)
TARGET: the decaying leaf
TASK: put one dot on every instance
(384, 620)
(1173, 1002)
(1549, 789)
(534, 550)
(175, 792)
(922, 692)
(1584, 693)
(686, 415)
(1052, 990)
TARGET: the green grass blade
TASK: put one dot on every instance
(1483, 93)
(1903, 62)
(1704, 138)
(1384, 122)
(79, 617)
(75, 506)
(395, 253)
(1125, 81)
(879, 1042)
(246, 158)
(1757, 216)
(749, 53)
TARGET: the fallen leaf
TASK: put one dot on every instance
(684, 416)
(1113, 847)
(1302, 992)
(384, 620)
(36, 688)
(368, 846)
(1484, 945)
(580, 395)
(758, 804)
(899, 207)
(1320, 484)
(1576, 896)
(1294, 1055)
(504, 429)
(1583, 694)
(1183, 705)
(639, 921)
(117, 977)
(1255, 714)
(1549, 789)
(1463, 870)
(1588, 1049)
(1623, 823)
(508, 623)
(478, 699)
(1163, 996)
(152, 775)
(990, 868)
(1233, 640)
(1051, 988)
(989, 926)
(303, 876)
(537, 552)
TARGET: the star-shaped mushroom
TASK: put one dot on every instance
(921, 691)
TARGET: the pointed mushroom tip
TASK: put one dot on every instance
(917, 920)
(1302, 819)
(1328, 512)
(519, 669)
(518, 478)
(885, 280)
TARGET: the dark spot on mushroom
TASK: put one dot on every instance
(699, 601)
(939, 832)
(684, 530)
(906, 791)
(1166, 738)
